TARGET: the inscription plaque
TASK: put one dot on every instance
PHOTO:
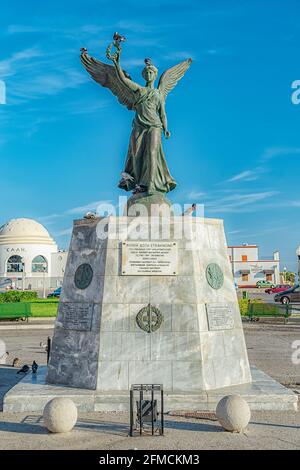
(76, 315)
(219, 316)
(149, 258)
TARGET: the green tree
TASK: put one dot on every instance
(288, 276)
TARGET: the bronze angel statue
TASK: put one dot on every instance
(146, 170)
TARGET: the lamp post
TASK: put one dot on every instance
(23, 274)
(298, 256)
(44, 285)
(284, 274)
(23, 280)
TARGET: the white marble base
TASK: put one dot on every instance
(184, 354)
(31, 395)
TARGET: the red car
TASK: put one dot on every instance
(279, 288)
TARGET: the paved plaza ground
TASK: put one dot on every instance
(110, 431)
(269, 348)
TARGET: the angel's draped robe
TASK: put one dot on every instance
(146, 162)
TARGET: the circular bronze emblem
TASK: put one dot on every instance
(214, 276)
(83, 276)
(149, 318)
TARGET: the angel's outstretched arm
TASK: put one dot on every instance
(115, 58)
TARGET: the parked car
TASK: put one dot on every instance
(264, 283)
(290, 295)
(56, 293)
(278, 288)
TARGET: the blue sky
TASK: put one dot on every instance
(235, 132)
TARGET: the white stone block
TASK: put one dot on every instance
(183, 349)
(150, 372)
(113, 375)
(187, 376)
(115, 317)
(185, 317)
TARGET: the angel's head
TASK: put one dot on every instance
(150, 72)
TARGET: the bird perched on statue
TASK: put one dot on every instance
(44, 345)
(118, 38)
(126, 176)
(190, 210)
(90, 215)
(3, 358)
(24, 369)
(34, 367)
(16, 362)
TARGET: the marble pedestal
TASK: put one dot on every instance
(97, 343)
(32, 394)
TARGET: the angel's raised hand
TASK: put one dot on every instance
(115, 57)
(109, 56)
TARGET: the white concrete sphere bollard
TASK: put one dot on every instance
(3, 352)
(60, 415)
(2, 348)
(233, 413)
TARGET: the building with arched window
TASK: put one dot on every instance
(29, 256)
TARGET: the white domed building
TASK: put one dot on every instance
(29, 256)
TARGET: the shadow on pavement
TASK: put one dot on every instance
(276, 425)
(22, 428)
(33, 424)
(8, 379)
(122, 429)
(107, 427)
(188, 426)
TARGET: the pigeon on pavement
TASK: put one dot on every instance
(24, 369)
(34, 367)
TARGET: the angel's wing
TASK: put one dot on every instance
(106, 76)
(170, 77)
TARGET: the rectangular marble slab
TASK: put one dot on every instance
(76, 316)
(219, 316)
(32, 394)
(152, 258)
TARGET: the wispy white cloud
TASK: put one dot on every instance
(91, 206)
(97, 206)
(179, 55)
(19, 29)
(135, 26)
(219, 51)
(247, 175)
(84, 107)
(239, 202)
(266, 231)
(242, 199)
(273, 152)
(48, 83)
(194, 195)
(235, 232)
(293, 203)
(71, 33)
(255, 173)
(134, 62)
(49, 218)
(15, 63)
(63, 232)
